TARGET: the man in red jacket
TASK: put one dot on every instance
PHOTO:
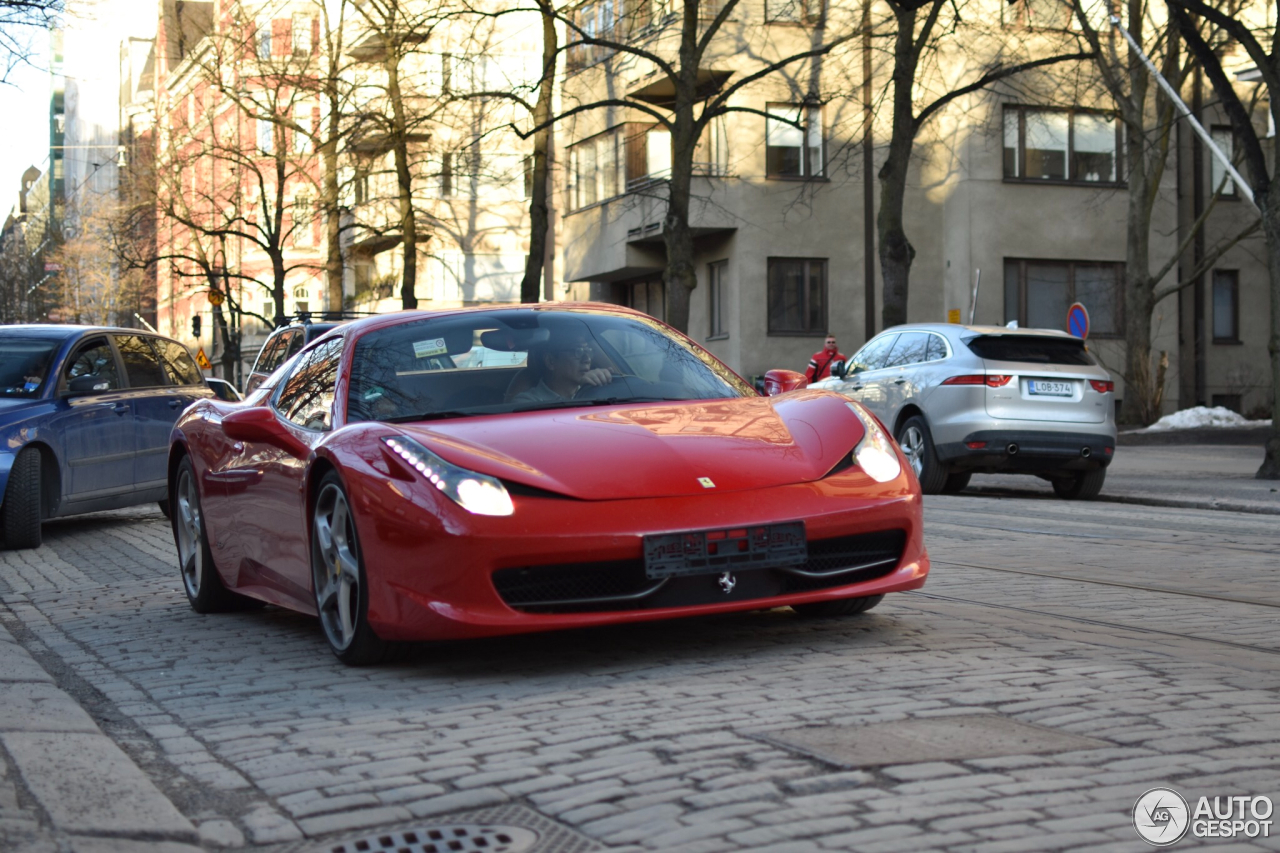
(820, 364)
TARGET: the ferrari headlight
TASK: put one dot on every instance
(476, 493)
(875, 453)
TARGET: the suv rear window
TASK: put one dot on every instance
(1035, 349)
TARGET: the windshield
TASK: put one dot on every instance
(523, 360)
(24, 365)
(1031, 348)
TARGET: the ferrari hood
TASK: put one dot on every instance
(645, 451)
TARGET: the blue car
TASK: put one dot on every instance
(85, 417)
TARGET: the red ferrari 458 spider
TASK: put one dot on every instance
(431, 475)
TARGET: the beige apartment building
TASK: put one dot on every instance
(1014, 196)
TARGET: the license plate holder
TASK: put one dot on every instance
(1042, 388)
(709, 552)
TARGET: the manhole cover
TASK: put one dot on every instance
(954, 738)
(457, 838)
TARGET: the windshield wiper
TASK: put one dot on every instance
(429, 416)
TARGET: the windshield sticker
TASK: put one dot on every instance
(426, 349)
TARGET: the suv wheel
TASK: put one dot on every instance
(1081, 487)
(917, 444)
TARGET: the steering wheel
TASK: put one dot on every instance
(615, 387)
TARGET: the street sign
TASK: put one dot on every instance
(953, 315)
(1078, 321)
(216, 297)
(203, 360)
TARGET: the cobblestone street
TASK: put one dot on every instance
(1152, 631)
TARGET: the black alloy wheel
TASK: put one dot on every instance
(917, 444)
(20, 514)
(339, 579)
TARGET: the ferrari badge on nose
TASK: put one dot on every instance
(727, 582)
(706, 483)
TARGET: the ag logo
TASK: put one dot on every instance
(1161, 817)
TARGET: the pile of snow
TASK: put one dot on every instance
(1203, 416)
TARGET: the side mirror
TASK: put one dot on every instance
(84, 385)
(781, 381)
(839, 370)
(260, 425)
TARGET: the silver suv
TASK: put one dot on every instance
(988, 399)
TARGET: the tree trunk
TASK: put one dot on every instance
(539, 213)
(680, 277)
(404, 182)
(1140, 393)
(896, 251)
(1270, 469)
(333, 213)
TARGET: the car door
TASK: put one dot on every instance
(96, 430)
(865, 366)
(899, 381)
(156, 406)
(273, 529)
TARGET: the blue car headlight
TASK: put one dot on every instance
(875, 453)
(476, 493)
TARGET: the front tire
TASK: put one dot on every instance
(917, 444)
(200, 578)
(20, 513)
(1081, 487)
(339, 579)
(956, 482)
(839, 607)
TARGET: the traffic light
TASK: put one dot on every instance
(195, 326)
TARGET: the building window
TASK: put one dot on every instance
(797, 296)
(1226, 306)
(715, 290)
(792, 11)
(302, 135)
(646, 296)
(1039, 14)
(1038, 293)
(264, 38)
(303, 221)
(711, 156)
(598, 167)
(302, 24)
(1226, 142)
(793, 141)
(266, 136)
(446, 175)
(1061, 145)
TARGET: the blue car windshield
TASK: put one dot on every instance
(25, 364)
(493, 362)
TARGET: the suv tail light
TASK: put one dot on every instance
(1103, 387)
(994, 380)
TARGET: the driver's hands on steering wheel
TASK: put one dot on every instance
(597, 377)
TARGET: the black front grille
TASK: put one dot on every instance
(622, 584)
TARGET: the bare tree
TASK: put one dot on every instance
(18, 20)
(922, 29)
(1148, 118)
(539, 210)
(693, 96)
(1249, 30)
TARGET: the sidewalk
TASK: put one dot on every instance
(64, 785)
(1198, 476)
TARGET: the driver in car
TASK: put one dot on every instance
(563, 366)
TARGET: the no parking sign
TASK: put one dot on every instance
(1078, 321)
